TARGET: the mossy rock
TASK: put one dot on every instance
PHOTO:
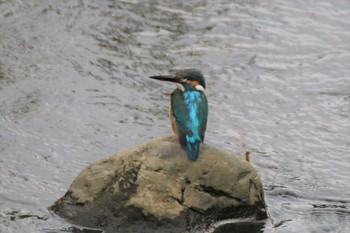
(155, 188)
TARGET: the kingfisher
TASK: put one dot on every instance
(188, 109)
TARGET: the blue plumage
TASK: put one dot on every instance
(192, 149)
(189, 109)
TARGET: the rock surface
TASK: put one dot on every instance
(155, 188)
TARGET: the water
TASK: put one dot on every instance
(74, 88)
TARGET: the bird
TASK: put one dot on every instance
(188, 109)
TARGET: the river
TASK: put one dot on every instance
(74, 88)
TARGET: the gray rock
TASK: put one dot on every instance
(155, 188)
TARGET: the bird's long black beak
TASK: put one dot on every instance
(169, 78)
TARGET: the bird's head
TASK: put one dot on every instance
(189, 76)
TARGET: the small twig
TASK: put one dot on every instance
(248, 157)
(247, 152)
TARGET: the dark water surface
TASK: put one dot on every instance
(74, 88)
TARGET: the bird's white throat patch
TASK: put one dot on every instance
(179, 86)
(200, 88)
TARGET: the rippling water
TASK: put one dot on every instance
(74, 88)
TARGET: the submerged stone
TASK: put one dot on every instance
(155, 188)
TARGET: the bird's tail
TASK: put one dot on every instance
(193, 149)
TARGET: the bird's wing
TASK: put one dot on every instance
(182, 115)
(203, 116)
